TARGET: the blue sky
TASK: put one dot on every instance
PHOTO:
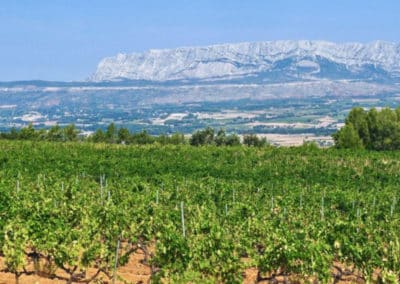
(64, 40)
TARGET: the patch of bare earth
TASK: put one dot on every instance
(135, 271)
(341, 274)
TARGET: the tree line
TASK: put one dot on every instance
(364, 129)
(370, 129)
(122, 135)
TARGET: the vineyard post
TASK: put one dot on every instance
(392, 207)
(157, 197)
(373, 203)
(272, 203)
(226, 209)
(116, 260)
(322, 208)
(183, 220)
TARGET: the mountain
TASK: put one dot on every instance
(272, 61)
(281, 87)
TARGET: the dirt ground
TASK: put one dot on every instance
(134, 272)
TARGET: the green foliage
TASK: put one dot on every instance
(358, 118)
(122, 135)
(254, 140)
(203, 137)
(55, 133)
(292, 212)
(221, 139)
(142, 138)
(373, 130)
(98, 136)
(27, 133)
(70, 133)
(111, 133)
(347, 137)
(207, 137)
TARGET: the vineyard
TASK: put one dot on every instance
(77, 212)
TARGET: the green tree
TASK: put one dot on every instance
(254, 140)
(41, 134)
(387, 127)
(358, 118)
(202, 137)
(70, 133)
(55, 133)
(220, 139)
(124, 136)
(347, 137)
(378, 130)
(98, 136)
(13, 134)
(142, 138)
(372, 120)
(111, 133)
(232, 140)
(177, 138)
(27, 133)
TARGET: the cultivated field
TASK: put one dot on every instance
(81, 212)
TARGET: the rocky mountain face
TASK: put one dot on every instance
(263, 62)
